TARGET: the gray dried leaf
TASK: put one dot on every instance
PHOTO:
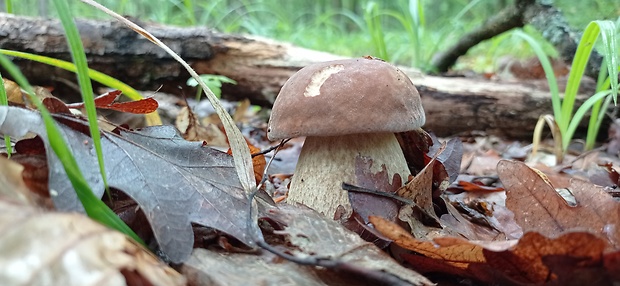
(174, 181)
(315, 235)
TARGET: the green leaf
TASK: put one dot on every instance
(214, 82)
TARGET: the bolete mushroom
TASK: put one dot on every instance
(347, 109)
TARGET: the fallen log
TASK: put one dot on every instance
(260, 66)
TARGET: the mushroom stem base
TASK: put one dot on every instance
(326, 162)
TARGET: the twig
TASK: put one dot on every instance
(352, 188)
(263, 152)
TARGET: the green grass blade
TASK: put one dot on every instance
(607, 31)
(596, 119)
(9, 6)
(610, 52)
(189, 10)
(584, 49)
(86, 88)
(5, 101)
(412, 30)
(94, 207)
(553, 85)
(152, 118)
(373, 23)
(466, 9)
(582, 110)
(416, 10)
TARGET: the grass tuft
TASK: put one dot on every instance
(607, 90)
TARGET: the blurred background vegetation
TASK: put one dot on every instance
(406, 32)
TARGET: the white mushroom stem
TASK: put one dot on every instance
(326, 162)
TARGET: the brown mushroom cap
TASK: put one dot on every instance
(342, 97)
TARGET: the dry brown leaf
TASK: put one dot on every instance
(366, 204)
(46, 248)
(465, 227)
(259, 161)
(420, 190)
(421, 216)
(476, 188)
(415, 144)
(537, 259)
(208, 267)
(14, 92)
(481, 163)
(241, 110)
(314, 234)
(35, 176)
(106, 101)
(12, 184)
(192, 130)
(538, 207)
(534, 259)
(480, 216)
(141, 106)
(454, 253)
(55, 105)
(38, 248)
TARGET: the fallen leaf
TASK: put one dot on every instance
(208, 267)
(14, 92)
(55, 105)
(449, 156)
(538, 206)
(141, 106)
(420, 190)
(482, 163)
(314, 234)
(258, 161)
(415, 145)
(365, 205)
(35, 173)
(476, 188)
(174, 181)
(12, 185)
(368, 204)
(192, 130)
(465, 227)
(106, 101)
(533, 260)
(39, 248)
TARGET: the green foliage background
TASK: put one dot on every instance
(412, 31)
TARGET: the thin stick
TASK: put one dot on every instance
(263, 152)
(356, 189)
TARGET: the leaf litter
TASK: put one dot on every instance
(552, 251)
(477, 230)
(41, 247)
(175, 182)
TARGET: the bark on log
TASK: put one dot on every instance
(453, 105)
(259, 66)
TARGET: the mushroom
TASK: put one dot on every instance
(348, 110)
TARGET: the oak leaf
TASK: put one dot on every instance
(175, 182)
